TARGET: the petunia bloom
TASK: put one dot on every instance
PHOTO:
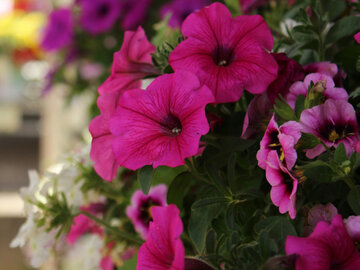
(227, 54)
(98, 16)
(134, 13)
(141, 204)
(247, 6)
(328, 247)
(59, 31)
(323, 86)
(352, 225)
(357, 37)
(326, 68)
(180, 9)
(162, 125)
(131, 63)
(163, 249)
(334, 122)
(284, 185)
(283, 140)
(319, 213)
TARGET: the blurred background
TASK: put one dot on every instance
(35, 127)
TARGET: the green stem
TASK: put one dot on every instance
(349, 182)
(113, 230)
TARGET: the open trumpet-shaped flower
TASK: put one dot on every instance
(141, 204)
(284, 185)
(227, 54)
(334, 122)
(283, 140)
(328, 247)
(163, 249)
(162, 125)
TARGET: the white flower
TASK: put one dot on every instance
(28, 194)
(39, 247)
(25, 232)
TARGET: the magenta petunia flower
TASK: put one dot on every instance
(357, 37)
(180, 9)
(328, 247)
(163, 249)
(162, 125)
(139, 211)
(83, 224)
(325, 68)
(59, 31)
(283, 140)
(259, 113)
(134, 13)
(324, 86)
(284, 185)
(227, 54)
(98, 16)
(107, 263)
(352, 225)
(334, 122)
(131, 63)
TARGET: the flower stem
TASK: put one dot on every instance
(349, 182)
(113, 230)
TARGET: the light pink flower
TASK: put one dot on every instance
(131, 63)
(352, 225)
(227, 54)
(325, 84)
(333, 122)
(141, 204)
(283, 140)
(321, 212)
(357, 37)
(163, 249)
(284, 185)
(328, 247)
(162, 125)
(325, 68)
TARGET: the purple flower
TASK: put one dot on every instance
(323, 85)
(328, 247)
(227, 54)
(319, 213)
(284, 185)
(162, 125)
(334, 122)
(139, 211)
(248, 6)
(59, 31)
(357, 37)
(134, 13)
(163, 249)
(180, 9)
(325, 68)
(283, 140)
(98, 16)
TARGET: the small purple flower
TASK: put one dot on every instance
(139, 210)
(352, 225)
(59, 31)
(323, 85)
(321, 212)
(98, 16)
(134, 13)
(283, 140)
(180, 9)
(334, 122)
(284, 185)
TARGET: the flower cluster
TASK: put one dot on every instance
(215, 148)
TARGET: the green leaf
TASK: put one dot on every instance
(307, 141)
(299, 105)
(129, 264)
(231, 171)
(358, 64)
(209, 201)
(233, 6)
(178, 188)
(353, 199)
(199, 223)
(283, 110)
(355, 93)
(145, 175)
(340, 153)
(165, 175)
(346, 26)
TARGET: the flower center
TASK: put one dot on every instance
(337, 132)
(145, 209)
(223, 56)
(275, 144)
(289, 182)
(171, 126)
(103, 10)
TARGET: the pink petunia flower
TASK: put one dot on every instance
(284, 185)
(83, 224)
(283, 140)
(352, 225)
(227, 54)
(107, 263)
(357, 37)
(328, 247)
(319, 213)
(163, 249)
(334, 122)
(326, 68)
(131, 63)
(134, 13)
(162, 125)
(324, 86)
(141, 204)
